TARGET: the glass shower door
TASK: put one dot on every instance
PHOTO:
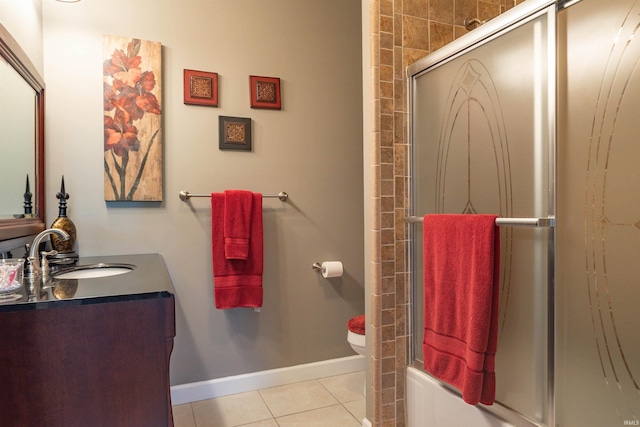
(598, 248)
(482, 142)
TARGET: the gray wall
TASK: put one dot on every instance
(312, 149)
(23, 20)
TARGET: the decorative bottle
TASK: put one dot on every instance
(28, 206)
(63, 223)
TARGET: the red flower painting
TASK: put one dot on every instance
(130, 99)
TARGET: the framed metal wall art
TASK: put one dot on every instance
(235, 133)
(265, 92)
(200, 88)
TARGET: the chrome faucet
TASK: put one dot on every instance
(33, 268)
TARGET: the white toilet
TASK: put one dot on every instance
(356, 334)
(357, 342)
(356, 338)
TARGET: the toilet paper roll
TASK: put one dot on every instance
(332, 269)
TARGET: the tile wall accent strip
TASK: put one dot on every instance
(402, 31)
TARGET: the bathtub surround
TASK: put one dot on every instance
(436, 409)
(402, 31)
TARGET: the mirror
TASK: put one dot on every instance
(17, 117)
(21, 141)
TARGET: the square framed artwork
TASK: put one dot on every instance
(234, 133)
(265, 92)
(200, 88)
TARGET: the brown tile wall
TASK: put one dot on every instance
(402, 31)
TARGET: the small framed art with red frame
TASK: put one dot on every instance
(200, 88)
(265, 92)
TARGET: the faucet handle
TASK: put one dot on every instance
(45, 261)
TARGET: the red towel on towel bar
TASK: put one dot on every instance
(237, 223)
(461, 304)
(237, 282)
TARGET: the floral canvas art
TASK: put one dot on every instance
(132, 119)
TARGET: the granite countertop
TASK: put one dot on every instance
(149, 279)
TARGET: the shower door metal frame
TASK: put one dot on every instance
(520, 15)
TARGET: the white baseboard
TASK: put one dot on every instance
(219, 387)
(366, 423)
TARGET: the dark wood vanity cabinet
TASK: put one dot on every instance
(104, 364)
(91, 362)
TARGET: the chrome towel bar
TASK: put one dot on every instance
(185, 195)
(505, 222)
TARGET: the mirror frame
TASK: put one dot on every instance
(18, 59)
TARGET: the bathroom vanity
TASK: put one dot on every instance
(90, 352)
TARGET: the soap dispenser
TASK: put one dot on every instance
(65, 248)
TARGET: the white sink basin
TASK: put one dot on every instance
(93, 271)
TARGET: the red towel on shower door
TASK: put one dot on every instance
(237, 282)
(461, 304)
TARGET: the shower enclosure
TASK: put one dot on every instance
(533, 117)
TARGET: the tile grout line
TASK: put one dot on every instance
(317, 381)
(268, 408)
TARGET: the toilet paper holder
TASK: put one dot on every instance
(329, 269)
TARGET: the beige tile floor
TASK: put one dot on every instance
(331, 402)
